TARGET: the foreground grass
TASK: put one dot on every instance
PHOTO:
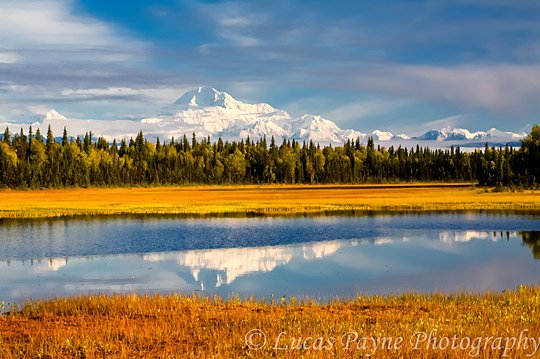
(264, 200)
(179, 326)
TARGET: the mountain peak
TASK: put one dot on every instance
(382, 135)
(460, 134)
(54, 115)
(204, 96)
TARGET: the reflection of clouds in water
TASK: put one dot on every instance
(34, 267)
(162, 280)
(497, 273)
(466, 236)
(383, 240)
(422, 260)
(232, 263)
(77, 275)
(57, 263)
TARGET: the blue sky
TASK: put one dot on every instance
(405, 66)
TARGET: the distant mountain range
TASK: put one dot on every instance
(208, 112)
(460, 134)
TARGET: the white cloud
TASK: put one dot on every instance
(109, 91)
(51, 29)
(446, 122)
(503, 88)
(53, 54)
(9, 57)
(163, 95)
(236, 21)
(233, 22)
(239, 39)
(362, 109)
(7, 86)
(38, 109)
(312, 105)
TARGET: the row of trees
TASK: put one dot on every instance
(33, 161)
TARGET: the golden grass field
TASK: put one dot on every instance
(265, 200)
(476, 325)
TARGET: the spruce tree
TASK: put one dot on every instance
(65, 140)
(7, 136)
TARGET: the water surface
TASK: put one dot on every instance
(319, 257)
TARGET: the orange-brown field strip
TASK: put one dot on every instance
(267, 200)
(190, 327)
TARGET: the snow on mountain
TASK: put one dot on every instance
(315, 128)
(209, 112)
(382, 135)
(493, 132)
(206, 111)
(432, 135)
(456, 134)
(53, 115)
(258, 129)
(460, 134)
(35, 117)
(402, 136)
(353, 135)
(463, 134)
(210, 97)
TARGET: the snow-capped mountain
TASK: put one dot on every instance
(460, 134)
(402, 136)
(258, 129)
(316, 128)
(206, 111)
(210, 97)
(382, 135)
(446, 134)
(53, 115)
(493, 132)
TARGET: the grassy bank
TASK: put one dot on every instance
(265, 200)
(178, 326)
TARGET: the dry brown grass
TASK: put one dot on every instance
(179, 326)
(266, 200)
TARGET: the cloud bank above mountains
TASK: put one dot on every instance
(393, 64)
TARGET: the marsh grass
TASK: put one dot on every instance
(179, 326)
(259, 200)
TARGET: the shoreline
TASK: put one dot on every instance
(182, 325)
(274, 214)
(268, 200)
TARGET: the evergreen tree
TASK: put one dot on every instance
(65, 138)
(25, 161)
(7, 135)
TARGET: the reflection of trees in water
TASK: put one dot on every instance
(532, 240)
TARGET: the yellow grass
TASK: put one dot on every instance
(266, 200)
(478, 325)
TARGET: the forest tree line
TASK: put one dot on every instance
(35, 161)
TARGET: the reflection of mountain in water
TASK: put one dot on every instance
(532, 240)
(209, 269)
(57, 263)
(466, 236)
(232, 263)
